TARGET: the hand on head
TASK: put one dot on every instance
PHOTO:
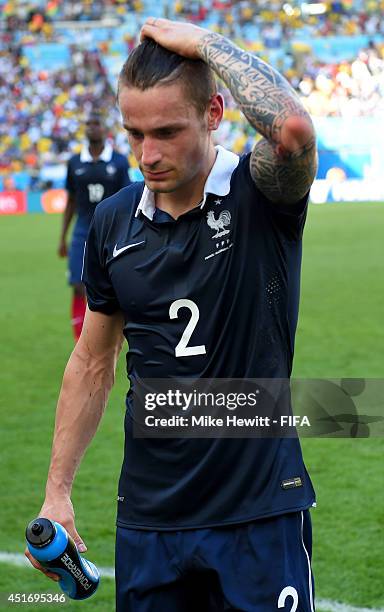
(179, 37)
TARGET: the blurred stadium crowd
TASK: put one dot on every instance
(331, 52)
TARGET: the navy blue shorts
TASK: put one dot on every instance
(262, 566)
(75, 256)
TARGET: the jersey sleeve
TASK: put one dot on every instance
(289, 219)
(69, 181)
(101, 296)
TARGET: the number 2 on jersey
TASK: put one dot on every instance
(289, 591)
(182, 349)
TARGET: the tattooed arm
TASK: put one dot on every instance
(284, 163)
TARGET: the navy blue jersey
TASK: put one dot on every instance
(231, 266)
(92, 181)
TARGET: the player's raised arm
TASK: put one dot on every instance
(283, 164)
(88, 378)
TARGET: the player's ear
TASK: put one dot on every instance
(215, 111)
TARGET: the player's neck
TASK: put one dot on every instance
(187, 196)
(96, 148)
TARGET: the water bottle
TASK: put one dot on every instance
(54, 548)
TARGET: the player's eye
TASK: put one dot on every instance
(167, 133)
(135, 134)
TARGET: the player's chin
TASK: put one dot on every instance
(161, 186)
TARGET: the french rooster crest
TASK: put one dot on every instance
(219, 224)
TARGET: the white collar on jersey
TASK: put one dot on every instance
(106, 154)
(218, 182)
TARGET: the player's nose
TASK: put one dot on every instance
(150, 154)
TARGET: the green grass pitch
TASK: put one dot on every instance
(340, 334)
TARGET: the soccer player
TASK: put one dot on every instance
(199, 266)
(93, 175)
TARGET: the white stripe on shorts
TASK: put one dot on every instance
(309, 564)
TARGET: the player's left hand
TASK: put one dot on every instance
(177, 36)
(62, 250)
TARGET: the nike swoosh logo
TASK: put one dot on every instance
(80, 171)
(117, 251)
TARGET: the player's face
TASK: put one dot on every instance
(168, 137)
(94, 130)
